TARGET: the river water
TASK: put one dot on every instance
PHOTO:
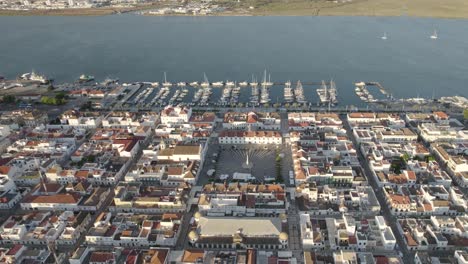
(310, 49)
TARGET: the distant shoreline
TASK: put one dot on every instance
(452, 9)
(286, 13)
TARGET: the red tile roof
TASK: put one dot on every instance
(101, 256)
(14, 249)
(4, 169)
(441, 115)
(54, 199)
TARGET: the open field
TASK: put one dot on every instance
(418, 8)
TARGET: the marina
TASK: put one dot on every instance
(362, 91)
(287, 95)
(290, 94)
(327, 95)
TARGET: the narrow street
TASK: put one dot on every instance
(295, 241)
(184, 229)
(408, 257)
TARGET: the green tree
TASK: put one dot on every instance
(52, 100)
(405, 157)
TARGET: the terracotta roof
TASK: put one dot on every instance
(361, 115)
(192, 255)
(427, 207)
(101, 257)
(252, 118)
(157, 256)
(410, 240)
(4, 169)
(14, 250)
(49, 187)
(441, 115)
(399, 199)
(313, 170)
(58, 199)
(411, 175)
(175, 170)
(186, 149)
(300, 174)
(82, 174)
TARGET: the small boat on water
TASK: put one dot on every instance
(193, 84)
(265, 81)
(205, 82)
(181, 84)
(166, 83)
(85, 78)
(253, 82)
(32, 76)
(217, 84)
(434, 35)
(384, 37)
(229, 83)
(288, 93)
(299, 93)
(327, 95)
(243, 83)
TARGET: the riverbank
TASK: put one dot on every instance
(414, 8)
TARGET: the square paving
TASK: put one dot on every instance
(233, 158)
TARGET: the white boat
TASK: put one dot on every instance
(86, 78)
(327, 95)
(299, 93)
(228, 83)
(434, 35)
(217, 84)
(384, 37)
(154, 84)
(181, 84)
(166, 83)
(194, 84)
(243, 83)
(205, 82)
(288, 93)
(32, 76)
(265, 81)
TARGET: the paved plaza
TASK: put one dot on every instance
(257, 160)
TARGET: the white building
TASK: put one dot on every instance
(175, 115)
(250, 137)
